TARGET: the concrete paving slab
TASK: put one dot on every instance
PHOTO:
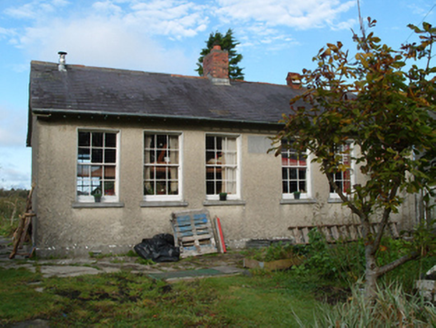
(67, 271)
(228, 269)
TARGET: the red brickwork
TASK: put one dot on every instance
(294, 80)
(216, 63)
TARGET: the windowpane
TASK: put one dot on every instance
(97, 156)
(109, 155)
(161, 164)
(84, 139)
(97, 148)
(211, 187)
(97, 139)
(294, 170)
(109, 172)
(285, 174)
(110, 140)
(285, 187)
(83, 186)
(149, 188)
(84, 155)
(97, 171)
(211, 157)
(221, 165)
(109, 188)
(342, 179)
(83, 170)
(210, 143)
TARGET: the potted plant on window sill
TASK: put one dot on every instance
(297, 194)
(223, 196)
(97, 196)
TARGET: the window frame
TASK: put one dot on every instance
(161, 197)
(105, 198)
(308, 192)
(332, 194)
(238, 143)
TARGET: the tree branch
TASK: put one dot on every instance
(385, 219)
(388, 267)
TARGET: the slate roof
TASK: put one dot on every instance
(125, 92)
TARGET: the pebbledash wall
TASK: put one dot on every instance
(64, 226)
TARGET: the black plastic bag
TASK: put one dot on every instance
(160, 248)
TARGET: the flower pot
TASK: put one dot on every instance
(223, 196)
(296, 195)
(97, 199)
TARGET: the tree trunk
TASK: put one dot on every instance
(371, 273)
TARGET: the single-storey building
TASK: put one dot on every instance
(153, 144)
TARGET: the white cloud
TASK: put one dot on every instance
(98, 42)
(35, 9)
(106, 33)
(107, 7)
(6, 33)
(299, 14)
(15, 174)
(173, 18)
(12, 126)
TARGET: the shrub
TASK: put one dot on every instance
(391, 308)
(276, 251)
(346, 260)
(343, 260)
(12, 205)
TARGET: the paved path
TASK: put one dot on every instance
(194, 267)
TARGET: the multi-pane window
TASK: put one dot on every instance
(96, 165)
(343, 178)
(221, 165)
(161, 165)
(294, 171)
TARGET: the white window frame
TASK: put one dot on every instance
(307, 193)
(334, 195)
(162, 198)
(238, 140)
(104, 198)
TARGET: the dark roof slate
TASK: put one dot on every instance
(125, 92)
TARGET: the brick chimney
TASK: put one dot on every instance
(293, 80)
(216, 66)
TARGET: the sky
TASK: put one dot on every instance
(166, 36)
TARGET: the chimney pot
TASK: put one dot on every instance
(62, 61)
(293, 80)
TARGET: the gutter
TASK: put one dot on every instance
(47, 112)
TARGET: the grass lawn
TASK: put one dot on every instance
(124, 299)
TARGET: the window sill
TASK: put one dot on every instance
(334, 201)
(97, 205)
(235, 202)
(297, 201)
(164, 204)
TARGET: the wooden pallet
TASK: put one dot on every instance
(340, 232)
(193, 232)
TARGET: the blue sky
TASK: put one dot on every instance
(276, 37)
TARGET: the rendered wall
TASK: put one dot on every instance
(63, 227)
